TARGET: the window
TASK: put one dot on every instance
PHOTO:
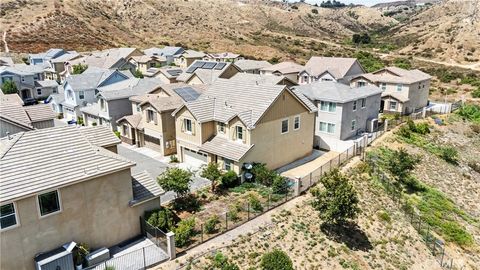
(227, 164)
(23, 79)
(353, 125)
(393, 105)
(125, 130)
(296, 122)
(70, 95)
(39, 91)
(152, 65)
(328, 106)
(305, 79)
(150, 116)
(221, 128)
(284, 126)
(102, 104)
(239, 133)
(364, 102)
(384, 86)
(49, 203)
(360, 84)
(8, 216)
(81, 94)
(55, 90)
(187, 123)
(327, 127)
(138, 108)
(331, 128)
(399, 87)
(96, 92)
(355, 105)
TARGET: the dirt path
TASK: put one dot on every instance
(4, 39)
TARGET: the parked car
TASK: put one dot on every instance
(29, 101)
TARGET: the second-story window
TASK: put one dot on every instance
(239, 133)
(125, 130)
(49, 203)
(39, 91)
(187, 123)
(102, 104)
(138, 108)
(355, 105)
(81, 95)
(151, 117)
(360, 84)
(353, 125)
(296, 122)
(364, 102)
(328, 106)
(384, 86)
(399, 87)
(221, 128)
(8, 217)
(284, 126)
(70, 95)
(23, 78)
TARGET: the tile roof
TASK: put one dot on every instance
(163, 104)
(336, 92)
(40, 112)
(100, 136)
(91, 108)
(106, 58)
(135, 120)
(16, 114)
(10, 98)
(285, 68)
(223, 55)
(66, 57)
(46, 83)
(146, 58)
(6, 61)
(129, 87)
(56, 157)
(259, 78)
(337, 66)
(223, 147)
(396, 75)
(90, 79)
(207, 71)
(165, 51)
(245, 64)
(145, 187)
(192, 54)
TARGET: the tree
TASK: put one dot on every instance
(276, 260)
(361, 39)
(212, 173)
(400, 163)
(79, 68)
(138, 74)
(176, 180)
(9, 87)
(338, 202)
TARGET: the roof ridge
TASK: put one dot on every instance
(11, 144)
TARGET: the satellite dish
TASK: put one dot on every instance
(248, 176)
(248, 166)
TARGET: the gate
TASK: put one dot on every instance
(154, 234)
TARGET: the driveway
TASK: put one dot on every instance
(155, 167)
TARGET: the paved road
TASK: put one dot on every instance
(154, 168)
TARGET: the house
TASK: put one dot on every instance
(10, 98)
(404, 91)
(168, 52)
(343, 112)
(152, 124)
(15, 118)
(44, 58)
(187, 57)
(287, 69)
(233, 123)
(263, 79)
(6, 61)
(165, 74)
(60, 64)
(30, 80)
(56, 100)
(76, 191)
(252, 66)
(113, 101)
(206, 72)
(145, 62)
(81, 89)
(337, 69)
(223, 57)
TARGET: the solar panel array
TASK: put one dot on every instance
(187, 93)
(205, 65)
(174, 72)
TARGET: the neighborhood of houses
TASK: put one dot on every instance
(64, 178)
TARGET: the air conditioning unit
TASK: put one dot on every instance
(59, 258)
(97, 256)
(372, 125)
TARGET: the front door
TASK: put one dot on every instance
(382, 104)
(26, 93)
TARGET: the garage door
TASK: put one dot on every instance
(152, 143)
(194, 158)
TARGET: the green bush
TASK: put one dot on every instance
(276, 260)
(229, 179)
(162, 218)
(422, 128)
(255, 203)
(280, 185)
(221, 262)
(117, 133)
(173, 159)
(369, 61)
(184, 232)
(402, 63)
(232, 214)
(449, 154)
(470, 112)
(211, 224)
(262, 174)
(9, 87)
(476, 93)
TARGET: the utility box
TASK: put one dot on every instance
(97, 256)
(58, 259)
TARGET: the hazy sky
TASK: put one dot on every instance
(361, 2)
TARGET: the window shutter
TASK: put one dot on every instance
(244, 135)
(234, 135)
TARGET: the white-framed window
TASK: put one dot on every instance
(49, 203)
(102, 104)
(227, 164)
(221, 127)
(23, 78)
(81, 94)
(187, 123)
(327, 127)
(331, 128)
(355, 105)
(138, 108)
(151, 117)
(354, 124)
(305, 79)
(399, 87)
(328, 106)
(384, 86)
(360, 84)
(239, 133)
(39, 91)
(363, 101)
(393, 105)
(8, 216)
(70, 94)
(296, 122)
(284, 126)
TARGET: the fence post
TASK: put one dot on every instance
(144, 260)
(311, 179)
(226, 221)
(268, 201)
(248, 211)
(201, 232)
(172, 252)
(321, 171)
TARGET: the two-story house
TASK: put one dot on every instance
(234, 123)
(169, 52)
(343, 112)
(81, 89)
(44, 58)
(113, 101)
(252, 66)
(286, 69)
(77, 191)
(337, 69)
(187, 57)
(32, 81)
(404, 91)
(207, 72)
(165, 74)
(145, 62)
(152, 124)
(223, 57)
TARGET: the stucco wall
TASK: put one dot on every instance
(10, 128)
(43, 124)
(95, 212)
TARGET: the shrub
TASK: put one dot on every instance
(212, 173)
(422, 128)
(95, 124)
(232, 214)
(280, 185)
(229, 179)
(470, 112)
(476, 93)
(176, 180)
(449, 154)
(211, 224)
(173, 159)
(262, 174)
(138, 74)
(276, 260)
(314, 11)
(384, 216)
(184, 232)
(255, 203)
(9, 87)
(402, 63)
(79, 68)
(162, 218)
(117, 133)
(221, 262)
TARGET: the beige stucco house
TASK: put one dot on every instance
(233, 123)
(207, 72)
(187, 58)
(77, 192)
(336, 69)
(287, 69)
(404, 91)
(145, 62)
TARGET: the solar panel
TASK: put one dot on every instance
(220, 66)
(198, 64)
(191, 69)
(187, 93)
(209, 65)
(174, 72)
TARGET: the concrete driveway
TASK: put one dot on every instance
(155, 167)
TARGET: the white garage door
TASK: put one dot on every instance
(194, 158)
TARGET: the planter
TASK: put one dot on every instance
(79, 267)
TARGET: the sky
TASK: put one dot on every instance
(358, 2)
